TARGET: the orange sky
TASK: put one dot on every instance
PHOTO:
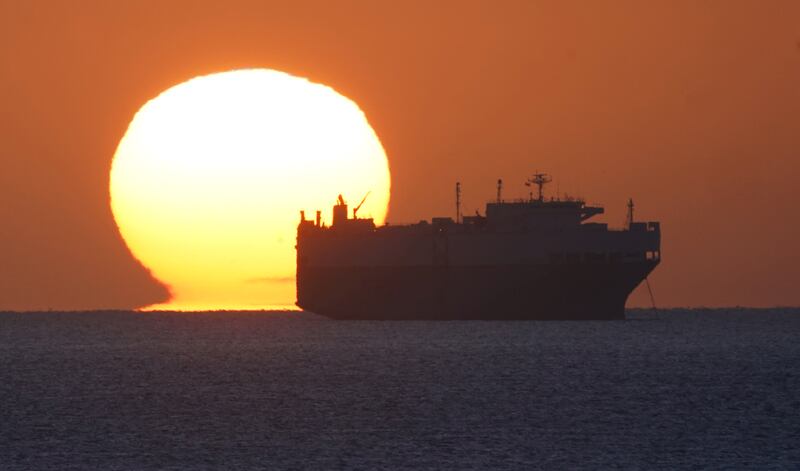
(692, 108)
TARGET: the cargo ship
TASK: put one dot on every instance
(526, 259)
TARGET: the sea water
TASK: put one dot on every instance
(676, 388)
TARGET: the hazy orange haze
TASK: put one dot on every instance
(691, 108)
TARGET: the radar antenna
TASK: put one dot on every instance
(355, 210)
(538, 179)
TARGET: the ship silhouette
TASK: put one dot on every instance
(527, 259)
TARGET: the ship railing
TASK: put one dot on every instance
(650, 226)
(555, 199)
(604, 256)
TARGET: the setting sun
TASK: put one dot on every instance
(208, 181)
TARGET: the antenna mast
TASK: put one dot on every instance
(458, 202)
(629, 222)
(538, 179)
(499, 190)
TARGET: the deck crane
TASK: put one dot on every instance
(355, 210)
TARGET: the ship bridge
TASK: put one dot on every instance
(528, 215)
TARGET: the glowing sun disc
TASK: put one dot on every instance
(208, 181)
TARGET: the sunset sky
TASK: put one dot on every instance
(691, 108)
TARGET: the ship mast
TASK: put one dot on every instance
(458, 202)
(629, 221)
(499, 190)
(538, 179)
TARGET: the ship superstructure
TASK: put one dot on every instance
(524, 259)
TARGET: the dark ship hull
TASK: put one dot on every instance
(556, 291)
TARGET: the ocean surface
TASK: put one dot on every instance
(129, 391)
